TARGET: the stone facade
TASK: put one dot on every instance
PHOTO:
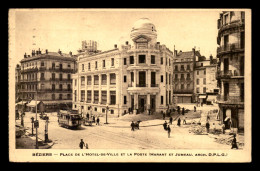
(137, 76)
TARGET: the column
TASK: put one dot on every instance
(135, 78)
(108, 90)
(99, 88)
(149, 78)
(148, 101)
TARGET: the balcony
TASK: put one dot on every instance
(182, 91)
(230, 47)
(42, 68)
(29, 70)
(60, 80)
(46, 90)
(141, 85)
(228, 74)
(154, 85)
(230, 99)
(66, 70)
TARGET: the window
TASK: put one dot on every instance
(103, 97)
(96, 80)
(162, 100)
(42, 75)
(198, 72)
(60, 96)
(188, 67)
(198, 81)
(112, 97)
(204, 81)
(188, 76)
(75, 82)
(89, 80)
(95, 109)
(42, 63)
(131, 59)
(201, 64)
(53, 76)
(125, 78)
(161, 60)
(125, 100)
(60, 77)
(68, 65)
(182, 76)
(152, 59)
(60, 86)
(169, 78)
(69, 77)
(162, 78)
(112, 79)
(182, 86)
(104, 64)
(89, 66)
(188, 86)
(176, 68)
(204, 72)
(204, 89)
(111, 111)
(82, 81)
(82, 66)
(53, 65)
(225, 19)
(242, 40)
(176, 76)
(82, 93)
(124, 61)
(53, 96)
(169, 62)
(132, 76)
(104, 79)
(96, 96)
(69, 88)
(166, 61)
(103, 110)
(198, 90)
(141, 58)
(60, 66)
(96, 65)
(75, 95)
(89, 94)
(166, 78)
(112, 61)
(182, 67)
(68, 96)
(53, 86)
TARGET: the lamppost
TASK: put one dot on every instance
(46, 130)
(32, 118)
(107, 108)
(22, 115)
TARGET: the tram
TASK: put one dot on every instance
(69, 118)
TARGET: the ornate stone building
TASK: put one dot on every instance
(47, 77)
(231, 41)
(137, 76)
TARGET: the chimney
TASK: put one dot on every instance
(211, 59)
(193, 49)
(126, 42)
(70, 53)
(25, 56)
(46, 51)
(175, 52)
(39, 51)
(33, 53)
(115, 46)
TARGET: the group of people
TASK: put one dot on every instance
(82, 144)
(93, 118)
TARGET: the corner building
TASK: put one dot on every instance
(134, 76)
(230, 76)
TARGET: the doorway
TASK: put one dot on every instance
(141, 103)
(226, 65)
(152, 102)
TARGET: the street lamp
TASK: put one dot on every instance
(32, 118)
(107, 108)
(46, 129)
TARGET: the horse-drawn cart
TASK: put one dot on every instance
(88, 122)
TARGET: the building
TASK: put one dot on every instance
(17, 81)
(46, 77)
(134, 76)
(183, 76)
(205, 88)
(231, 41)
(88, 47)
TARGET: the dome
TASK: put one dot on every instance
(143, 27)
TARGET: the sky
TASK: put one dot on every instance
(55, 29)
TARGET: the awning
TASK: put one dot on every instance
(202, 96)
(211, 98)
(21, 103)
(32, 103)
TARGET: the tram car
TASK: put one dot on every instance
(69, 119)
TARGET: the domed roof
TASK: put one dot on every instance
(143, 27)
(143, 23)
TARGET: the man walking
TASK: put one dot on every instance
(87, 116)
(179, 122)
(183, 111)
(97, 121)
(207, 127)
(169, 131)
(81, 144)
(234, 142)
(170, 120)
(194, 108)
(165, 126)
(184, 121)
(163, 115)
(132, 126)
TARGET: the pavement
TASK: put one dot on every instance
(118, 135)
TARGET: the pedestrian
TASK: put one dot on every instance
(208, 118)
(194, 108)
(94, 119)
(86, 145)
(97, 121)
(170, 120)
(201, 104)
(179, 110)
(179, 122)
(184, 121)
(87, 116)
(132, 126)
(183, 111)
(207, 127)
(214, 128)
(163, 115)
(149, 111)
(223, 128)
(129, 110)
(169, 131)
(165, 126)
(234, 142)
(81, 144)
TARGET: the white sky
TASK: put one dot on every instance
(64, 30)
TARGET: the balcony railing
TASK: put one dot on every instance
(228, 74)
(42, 68)
(154, 85)
(230, 47)
(29, 70)
(58, 79)
(141, 85)
(182, 91)
(68, 70)
(230, 99)
(54, 90)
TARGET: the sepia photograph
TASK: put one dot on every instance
(129, 85)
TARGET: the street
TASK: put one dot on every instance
(118, 135)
